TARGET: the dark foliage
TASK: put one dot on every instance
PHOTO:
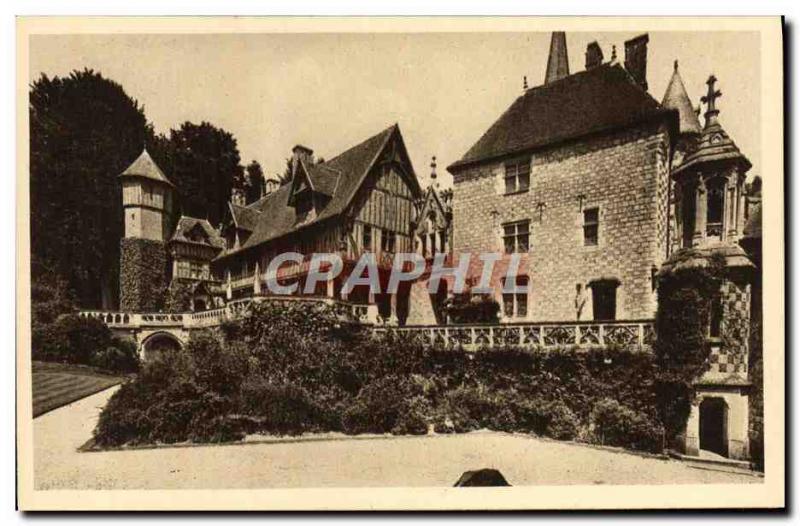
(684, 300)
(143, 274)
(84, 131)
(204, 164)
(472, 308)
(253, 182)
(77, 340)
(617, 425)
(179, 296)
(291, 368)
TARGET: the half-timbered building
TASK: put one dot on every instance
(362, 200)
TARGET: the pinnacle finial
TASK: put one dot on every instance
(433, 168)
(525, 82)
(613, 53)
(676, 64)
(710, 99)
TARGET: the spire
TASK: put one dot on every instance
(557, 61)
(676, 98)
(711, 101)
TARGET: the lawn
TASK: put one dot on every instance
(56, 384)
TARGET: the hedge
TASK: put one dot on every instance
(291, 369)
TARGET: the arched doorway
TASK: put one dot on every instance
(160, 344)
(714, 426)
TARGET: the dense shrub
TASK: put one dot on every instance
(472, 308)
(279, 409)
(616, 425)
(122, 356)
(295, 368)
(379, 405)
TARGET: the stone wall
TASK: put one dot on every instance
(143, 275)
(625, 174)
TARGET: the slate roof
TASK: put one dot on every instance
(145, 167)
(340, 178)
(187, 224)
(598, 99)
(245, 217)
(714, 146)
(675, 97)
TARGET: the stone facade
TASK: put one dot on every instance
(625, 174)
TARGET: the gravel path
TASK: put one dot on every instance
(397, 461)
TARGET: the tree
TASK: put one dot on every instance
(254, 182)
(84, 131)
(203, 163)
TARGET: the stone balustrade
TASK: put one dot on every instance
(638, 334)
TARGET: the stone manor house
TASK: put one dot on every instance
(589, 179)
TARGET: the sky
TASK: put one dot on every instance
(332, 91)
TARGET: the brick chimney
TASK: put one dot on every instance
(303, 153)
(594, 55)
(636, 59)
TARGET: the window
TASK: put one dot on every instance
(423, 239)
(516, 305)
(388, 239)
(516, 236)
(716, 206)
(443, 237)
(433, 243)
(604, 299)
(366, 238)
(518, 176)
(591, 223)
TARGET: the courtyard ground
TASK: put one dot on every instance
(396, 461)
(57, 384)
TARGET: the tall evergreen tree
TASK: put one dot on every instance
(84, 131)
(254, 182)
(203, 163)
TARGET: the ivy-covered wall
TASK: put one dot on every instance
(143, 275)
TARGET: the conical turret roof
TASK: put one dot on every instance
(144, 166)
(676, 98)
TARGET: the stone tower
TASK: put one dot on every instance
(147, 203)
(708, 188)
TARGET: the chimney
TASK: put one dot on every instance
(300, 152)
(594, 55)
(557, 61)
(270, 185)
(238, 197)
(636, 59)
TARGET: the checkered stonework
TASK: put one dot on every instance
(731, 355)
(724, 362)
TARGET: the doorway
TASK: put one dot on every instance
(714, 426)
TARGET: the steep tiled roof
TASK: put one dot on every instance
(601, 98)
(185, 226)
(245, 217)
(339, 178)
(145, 167)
